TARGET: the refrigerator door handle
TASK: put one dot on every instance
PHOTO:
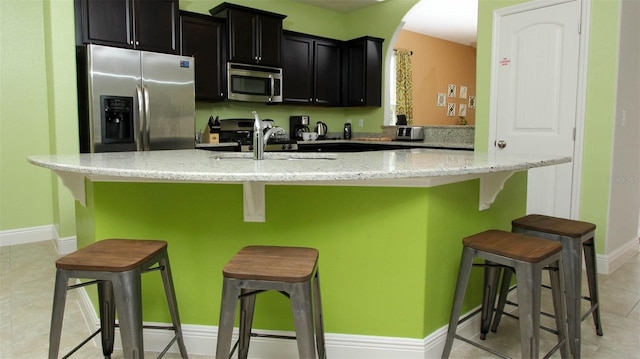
(147, 127)
(141, 120)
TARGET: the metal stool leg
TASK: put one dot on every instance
(128, 291)
(230, 292)
(507, 274)
(57, 316)
(491, 279)
(170, 293)
(466, 263)
(107, 307)
(529, 285)
(592, 279)
(318, 317)
(301, 306)
(247, 308)
(559, 308)
(572, 259)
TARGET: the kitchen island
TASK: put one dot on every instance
(388, 225)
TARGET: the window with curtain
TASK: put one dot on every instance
(403, 84)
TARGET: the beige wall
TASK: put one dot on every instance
(437, 63)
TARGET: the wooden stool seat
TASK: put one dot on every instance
(528, 257)
(554, 225)
(116, 266)
(517, 246)
(292, 271)
(282, 264)
(113, 255)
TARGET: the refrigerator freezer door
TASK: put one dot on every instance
(169, 91)
(112, 79)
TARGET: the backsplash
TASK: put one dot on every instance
(442, 136)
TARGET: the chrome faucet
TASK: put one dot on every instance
(260, 138)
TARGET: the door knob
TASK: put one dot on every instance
(502, 144)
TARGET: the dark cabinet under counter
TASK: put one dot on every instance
(348, 146)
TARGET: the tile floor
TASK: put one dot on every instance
(26, 288)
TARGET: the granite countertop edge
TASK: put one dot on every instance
(207, 167)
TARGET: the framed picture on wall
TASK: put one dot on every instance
(442, 99)
(451, 92)
(462, 110)
(472, 102)
(451, 109)
(463, 91)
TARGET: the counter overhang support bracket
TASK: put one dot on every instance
(490, 185)
(75, 183)
(254, 201)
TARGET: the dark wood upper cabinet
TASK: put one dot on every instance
(328, 72)
(150, 25)
(311, 70)
(297, 69)
(363, 61)
(201, 36)
(254, 36)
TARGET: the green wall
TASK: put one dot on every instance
(600, 116)
(388, 256)
(25, 190)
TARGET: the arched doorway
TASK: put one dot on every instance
(444, 56)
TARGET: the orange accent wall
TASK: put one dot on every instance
(435, 64)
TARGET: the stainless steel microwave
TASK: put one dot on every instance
(254, 83)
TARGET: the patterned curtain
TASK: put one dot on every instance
(404, 97)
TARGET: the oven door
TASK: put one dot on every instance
(254, 83)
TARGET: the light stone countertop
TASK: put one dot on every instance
(207, 166)
(416, 167)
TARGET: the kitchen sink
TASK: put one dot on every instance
(275, 156)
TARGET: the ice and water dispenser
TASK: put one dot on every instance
(117, 119)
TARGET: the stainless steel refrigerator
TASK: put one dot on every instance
(132, 100)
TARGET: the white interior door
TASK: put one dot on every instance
(536, 58)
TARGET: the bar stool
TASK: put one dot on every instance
(528, 256)
(115, 265)
(293, 271)
(575, 237)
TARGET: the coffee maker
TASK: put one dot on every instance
(298, 125)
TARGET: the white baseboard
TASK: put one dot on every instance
(27, 235)
(201, 340)
(38, 234)
(609, 263)
(66, 245)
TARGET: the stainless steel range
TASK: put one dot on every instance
(240, 130)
